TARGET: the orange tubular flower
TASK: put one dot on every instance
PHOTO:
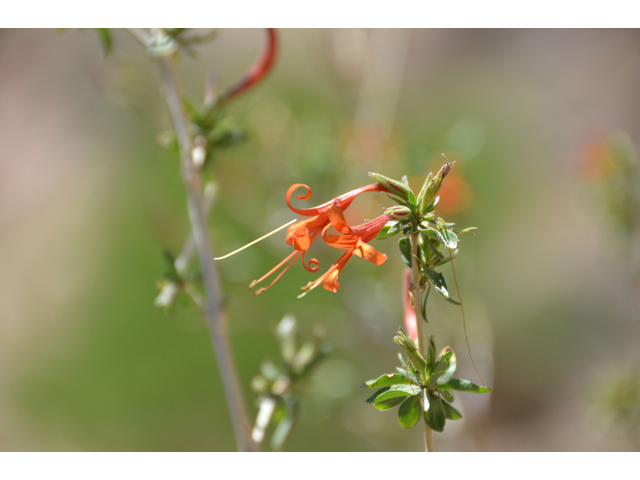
(355, 241)
(302, 234)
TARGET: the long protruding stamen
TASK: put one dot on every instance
(464, 323)
(256, 240)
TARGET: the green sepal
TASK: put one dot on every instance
(395, 187)
(389, 404)
(450, 412)
(409, 412)
(435, 418)
(387, 380)
(463, 386)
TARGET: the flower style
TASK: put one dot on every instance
(302, 234)
(355, 240)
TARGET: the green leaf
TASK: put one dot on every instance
(409, 412)
(450, 412)
(285, 426)
(389, 404)
(412, 199)
(405, 250)
(464, 230)
(437, 279)
(390, 229)
(372, 398)
(441, 366)
(434, 234)
(450, 238)
(463, 386)
(425, 400)
(447, 396)
(398, 391)
(435, 417)
(433, 249)
(386, 380)
(431, 353)
(106, 43)
(451, 369)
(409, 372)
(431, 206)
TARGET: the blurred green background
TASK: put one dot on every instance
(88, 202)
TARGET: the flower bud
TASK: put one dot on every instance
(432, 186)
(398, 212)
(395, 187)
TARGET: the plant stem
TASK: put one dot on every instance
(417, 291)
(213, 310)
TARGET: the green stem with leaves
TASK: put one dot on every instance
(213, 310)
(417, 290)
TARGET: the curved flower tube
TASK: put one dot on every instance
(302, 234)
(354, 241)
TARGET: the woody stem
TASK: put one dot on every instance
(417, 290)
(212, 310)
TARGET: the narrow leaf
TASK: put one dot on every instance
(398, 391)
(450, 238)
(463, 386)
(435, 417)
(409, 412)
(437, 279)
(451, 369)
(386, 380)
(447, 396)
(373, 397)
(389, 404)
(450, 412)
(405, 250)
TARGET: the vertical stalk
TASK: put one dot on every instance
(417, 291)
(213, 310)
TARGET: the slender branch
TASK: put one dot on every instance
(213, 310)
(417, 290)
